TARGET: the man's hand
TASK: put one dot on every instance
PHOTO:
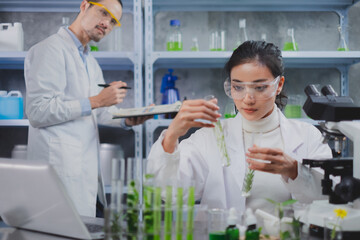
(109, 96)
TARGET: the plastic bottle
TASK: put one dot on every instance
(174, 41)
(170, 93)
(252, 233)
(290, 43)
(242, 36)
(232, 231)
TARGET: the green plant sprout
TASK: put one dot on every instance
(248, 181)
(220, 140)
(286, 235)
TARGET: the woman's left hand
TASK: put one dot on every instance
(278, 161)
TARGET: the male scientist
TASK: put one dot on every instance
(64, 103)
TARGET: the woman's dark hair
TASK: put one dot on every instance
(264, 53)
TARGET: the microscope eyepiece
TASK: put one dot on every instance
(328, 90)
(311, 90)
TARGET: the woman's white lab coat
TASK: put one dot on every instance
(56, 81)
(198, 159)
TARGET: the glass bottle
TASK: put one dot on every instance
(290, 43)
(174, 41)
(242, 36)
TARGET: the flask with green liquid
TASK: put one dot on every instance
(290, 44)
(342, 43)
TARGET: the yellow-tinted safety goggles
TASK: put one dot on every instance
(111, 14)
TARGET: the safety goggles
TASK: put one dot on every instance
(107, 13)
(256, 90)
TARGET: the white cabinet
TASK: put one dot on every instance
(122, 60)
(206, 59)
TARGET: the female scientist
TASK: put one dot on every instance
(255, 81)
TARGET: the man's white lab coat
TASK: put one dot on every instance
(56, 80)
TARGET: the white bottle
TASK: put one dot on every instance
(242, 36)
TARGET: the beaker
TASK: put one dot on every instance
(216, 224)
(293, 107)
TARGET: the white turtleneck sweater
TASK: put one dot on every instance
(265, 133)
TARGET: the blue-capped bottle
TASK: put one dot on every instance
(174, 39)
(170, 94)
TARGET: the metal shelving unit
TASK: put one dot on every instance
(301, 59)
(107, 60)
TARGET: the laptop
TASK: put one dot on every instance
(32, 197)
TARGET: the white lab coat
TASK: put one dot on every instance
(198, 159)
(56, 80)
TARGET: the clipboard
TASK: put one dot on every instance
(147, 111)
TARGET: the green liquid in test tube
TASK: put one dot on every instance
(190, 215)
(179, 212)
(157, 213)
(168, 213)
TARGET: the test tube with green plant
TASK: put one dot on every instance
(179, 213)
(157, 213)
(190, 214)
(168, 213)
(149, 208)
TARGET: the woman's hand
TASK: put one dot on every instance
(279, 162)
(185, 119)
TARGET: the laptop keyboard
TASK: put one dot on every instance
(94, 228)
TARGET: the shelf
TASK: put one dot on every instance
(300, 59)
(107, 60)
(14, 122)
(49, 5)
(251, 5)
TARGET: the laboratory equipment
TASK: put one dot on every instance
(293, 107)
(217, 224)
(170, 93)
(342, 42)
(263, 37)
(65, 21)
(11, 37)
(242, 35)
(339, 113)
(11, 105)
(290, 43)
(174, 39)
(252, 233)
(93, 46)
(195, 45)
(232, 231)
(217, 40)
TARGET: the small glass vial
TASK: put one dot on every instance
(174, 40)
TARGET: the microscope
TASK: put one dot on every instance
(339, 115)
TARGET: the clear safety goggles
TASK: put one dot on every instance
(256, 90)
(108, 13)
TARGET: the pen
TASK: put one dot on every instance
(107, 85)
